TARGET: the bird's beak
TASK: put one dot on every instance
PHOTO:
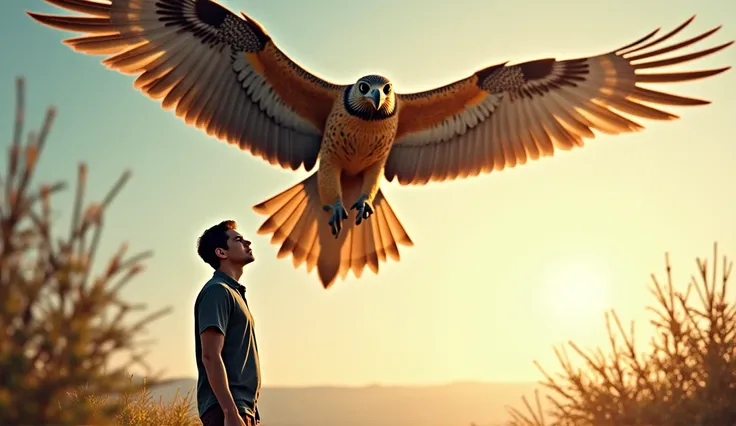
(377, 97)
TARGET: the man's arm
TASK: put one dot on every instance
(214, 313)
(212, 342)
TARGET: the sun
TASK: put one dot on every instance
(577, 291)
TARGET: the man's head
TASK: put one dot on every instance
(223, 244)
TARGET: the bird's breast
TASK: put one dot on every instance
(356, 143)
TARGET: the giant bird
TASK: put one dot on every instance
(224, 74)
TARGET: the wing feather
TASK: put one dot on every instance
(505, 115)
(219, 72)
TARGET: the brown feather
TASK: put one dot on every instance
(219, 72)
(421, 112)
(309, 97)
(531, 109)
(88, 7)
(298, 225)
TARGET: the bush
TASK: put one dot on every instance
(62, 322)
(687, 378)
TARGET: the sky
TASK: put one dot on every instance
(504, 265)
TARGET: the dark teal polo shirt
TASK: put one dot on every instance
(221, 304)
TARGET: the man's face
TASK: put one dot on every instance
(238, 248)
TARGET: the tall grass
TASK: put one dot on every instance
(138, 408)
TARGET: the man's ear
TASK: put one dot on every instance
(220, 253)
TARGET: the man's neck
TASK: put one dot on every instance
(234, 271)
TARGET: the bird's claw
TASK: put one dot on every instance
(364, 208)
(338, 215)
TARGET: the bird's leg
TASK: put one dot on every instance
(330, 192)
(364, 204)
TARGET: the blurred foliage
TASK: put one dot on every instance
(62, 322)
(138, 408)
(686, 378)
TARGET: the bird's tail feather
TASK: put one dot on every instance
(298, 223)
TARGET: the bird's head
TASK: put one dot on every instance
(373, 93)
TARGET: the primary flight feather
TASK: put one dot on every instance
(224, 74)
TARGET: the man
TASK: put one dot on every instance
(229, 376)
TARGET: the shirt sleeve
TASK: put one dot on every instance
(214, 309)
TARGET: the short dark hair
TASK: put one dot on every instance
(213, 238)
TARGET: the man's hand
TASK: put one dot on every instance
(232, 418)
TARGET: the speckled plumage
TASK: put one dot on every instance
(356, 140)
(224, 74)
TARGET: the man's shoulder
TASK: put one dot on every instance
(214, 286)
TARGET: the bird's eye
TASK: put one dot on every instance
(387, 89)
(363, 88)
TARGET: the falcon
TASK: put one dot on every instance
(224, 74)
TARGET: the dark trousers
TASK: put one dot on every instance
(215, 417)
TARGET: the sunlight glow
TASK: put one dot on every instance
(577, 292)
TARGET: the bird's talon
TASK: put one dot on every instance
(338, 215)
(364, 208)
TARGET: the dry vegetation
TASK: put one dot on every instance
(687, 377)
(63, 321)
(138, 408)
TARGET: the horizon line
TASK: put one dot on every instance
(167, 381)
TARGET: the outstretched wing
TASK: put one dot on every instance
(505, 115)
(220, 72)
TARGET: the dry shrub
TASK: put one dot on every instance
(141, 409)
(138, 408)
(62, 322)
(686, 378)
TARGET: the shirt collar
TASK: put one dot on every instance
(230, 281)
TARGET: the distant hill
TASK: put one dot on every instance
(457, 404)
